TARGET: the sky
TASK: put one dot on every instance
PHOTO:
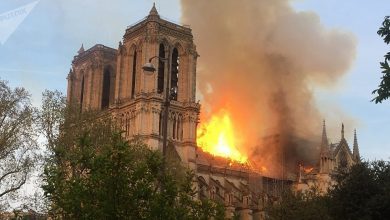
(37, 55)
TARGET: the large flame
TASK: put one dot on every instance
(217, 137)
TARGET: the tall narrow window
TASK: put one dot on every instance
(180, 129)
(160, 123)
(127, 125)
(161, 68)
(343, 160)
(82, 95)
(106, 88)
(174, 129)
(134, 74)
(175, 73)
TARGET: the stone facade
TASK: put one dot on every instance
(113, 80)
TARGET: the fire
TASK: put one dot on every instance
(217, 137)
(308, 169)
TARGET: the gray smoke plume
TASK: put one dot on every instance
(258, 60)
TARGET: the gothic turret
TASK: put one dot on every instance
(356, 154)
(81, 50)
(153, 11)
(326, 157)
(324, 141)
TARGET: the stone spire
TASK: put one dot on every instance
(324, 141)
(342, 131)
(81, 49)
(153, 11)
(356, 154)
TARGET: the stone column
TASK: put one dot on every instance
(246, 214)
(229, 212)
(119, 75)
(258, 215)
(148, 81)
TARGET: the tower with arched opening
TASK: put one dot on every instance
(113, 80)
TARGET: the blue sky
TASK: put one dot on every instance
(38, 54)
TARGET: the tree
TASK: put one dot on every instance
(383, 91)
(363, 192)
(92, 172)
(300, 205)
(17, 139)
(52, 115)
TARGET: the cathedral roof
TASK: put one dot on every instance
(342, 145)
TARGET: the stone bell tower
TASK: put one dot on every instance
(113, 80)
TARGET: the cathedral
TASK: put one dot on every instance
(158, 104)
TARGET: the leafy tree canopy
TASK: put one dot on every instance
(18, 140)
(362, 192)
(383, 91)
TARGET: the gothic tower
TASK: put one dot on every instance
(91, 80)
(114, 81)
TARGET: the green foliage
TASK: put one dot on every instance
(299, 205)
(94, 173)
(363, 192)
(18, 141)
(383, 91)
(52, 115)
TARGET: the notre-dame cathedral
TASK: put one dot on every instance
(113, 80)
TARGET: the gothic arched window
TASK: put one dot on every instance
(106, 88)
(179, 128)
(343, 160)
(175, 73)
(160, 123)
(82, 94)
(134, 74)
(161, 69)
(174, 128)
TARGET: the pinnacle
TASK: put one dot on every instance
(324, 142)
(153, 11)
(81, 50)
(355, 146)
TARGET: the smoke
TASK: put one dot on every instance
(258, 60)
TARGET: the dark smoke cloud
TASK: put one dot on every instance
(259, 59)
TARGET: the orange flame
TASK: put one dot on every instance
(217, 137)
(308, 169)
